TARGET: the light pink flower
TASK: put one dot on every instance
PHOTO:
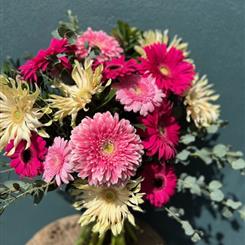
(105, 150)
(139, 94)
(57, 163)
(159, 183)
(108, 46)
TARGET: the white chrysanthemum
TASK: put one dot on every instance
(76, 97)
(108, 207)
(198, 103)
(150, 37)
(18, 116)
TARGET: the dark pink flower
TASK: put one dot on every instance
(119, 67)
(159, 183)
(162, 132)
(169, 67)
(28, 162)
(58, 49)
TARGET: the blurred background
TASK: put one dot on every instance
(215, 31)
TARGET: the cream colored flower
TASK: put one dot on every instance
(18, 116)
(76, 97)
(198, 103)
(108, 207)
(150, 37)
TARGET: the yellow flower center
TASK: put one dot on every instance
(165, 70)
(17, 116)
(161, 130)
(108, 147)
(137, 90)
(109, 195)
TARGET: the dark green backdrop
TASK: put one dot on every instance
(215, 30)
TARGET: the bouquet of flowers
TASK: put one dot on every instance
(120, 120)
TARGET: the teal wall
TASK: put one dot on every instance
(215, 30)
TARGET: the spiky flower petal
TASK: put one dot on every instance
(76, 97)
(198, 103)
(18, 116)
(108, 207)
(157, 36)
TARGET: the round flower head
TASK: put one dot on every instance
(119, 67)
(108, 207)
(27, 162)
(159, 183)
(139, 94)
(18, 114)
(169, 68)
(57, 162)
(105, 149)
(198, 103)
(161, 133)
(107, 45)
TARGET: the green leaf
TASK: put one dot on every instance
(204, 155)
(214, 185)
(238, 164)
(217, 195)
(183, 155)
(140, 126)
(1, 210)
(187, 139)
(213, 129)
(242, 212)
(227, 213)
(196, 237)
(189, 231)
(38, 196)
(220, 150)
(233, 204)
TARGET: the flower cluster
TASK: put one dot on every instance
(115, 122)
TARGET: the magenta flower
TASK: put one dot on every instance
(119, 67)
(105, 150)
(162, 132)
(44, 57)
(28, 162)
(139, 94)
(169, 68)
(159, 183)
(57, 162)
(108, 46)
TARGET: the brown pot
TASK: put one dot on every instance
(65, 231)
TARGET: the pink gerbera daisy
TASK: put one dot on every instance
(139, 94)
(105, 149)
(119, 67)
(57, 162)
(169, 68)
(28, 162)
(162, 132)
(159, 183)
(40, 62)
(108, 46)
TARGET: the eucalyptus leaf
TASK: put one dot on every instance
(217, 195)
(187, 139)
(242, 212)
(233, 204)
(238, 164)
(220, 150)
(183, 155)
(204, 155)
(189, 231)
(227, 213)
(214, 185)
(213, 129)
(196, 237)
